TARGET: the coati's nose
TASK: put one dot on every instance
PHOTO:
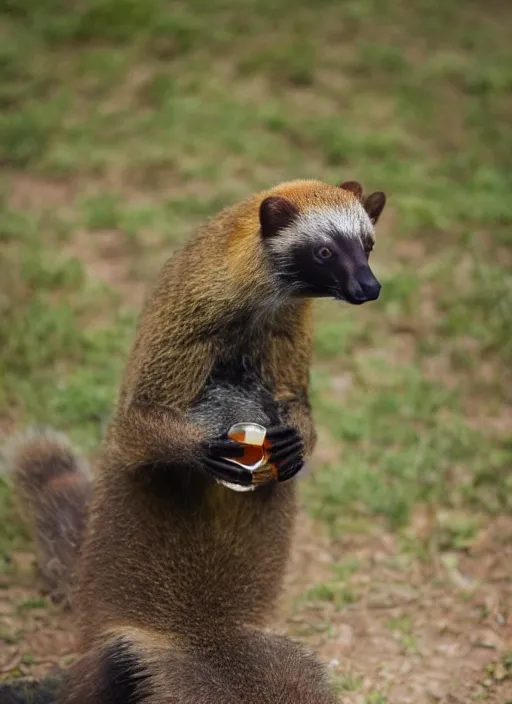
(365, 286)
(371, 287)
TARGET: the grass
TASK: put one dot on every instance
(347, 683)
(135, 121)
(31, 604)
(331, 592)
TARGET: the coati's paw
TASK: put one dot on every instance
(286, 451)
(216, 463)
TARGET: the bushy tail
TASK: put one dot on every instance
(52, 487)
(45, 691)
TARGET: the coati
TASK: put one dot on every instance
(178, 574)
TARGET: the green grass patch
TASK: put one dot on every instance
(346, 682)
(31, 604)
(59, 363)
(403, 439)
(332, 592)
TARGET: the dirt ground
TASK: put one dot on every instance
(418, 630)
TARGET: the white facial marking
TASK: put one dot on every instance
(319, 224)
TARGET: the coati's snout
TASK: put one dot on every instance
(362, 287)
(354, 281)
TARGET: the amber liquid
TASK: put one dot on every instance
(252, 453)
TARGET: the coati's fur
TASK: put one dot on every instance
(178, 574)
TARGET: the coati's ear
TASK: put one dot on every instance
(354, 187)
(374, 205)
(276, 213)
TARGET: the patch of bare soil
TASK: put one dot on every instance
(104, 256)
(34, 637)
(28, 192)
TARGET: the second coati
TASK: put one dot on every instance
(178, 575)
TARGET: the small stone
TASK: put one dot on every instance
(436, 691)
(487, 639)
(451, 650)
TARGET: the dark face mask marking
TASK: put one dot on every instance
(344, 275)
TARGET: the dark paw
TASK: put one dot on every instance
(216, 464)
(286, 451)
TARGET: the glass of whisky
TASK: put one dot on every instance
(255, 457)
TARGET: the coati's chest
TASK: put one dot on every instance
(235, 392)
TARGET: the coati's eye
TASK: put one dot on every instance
(323, 254)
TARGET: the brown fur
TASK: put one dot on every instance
(239, 666)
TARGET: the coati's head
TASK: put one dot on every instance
(319, 238)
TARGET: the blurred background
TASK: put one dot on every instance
(125, 123)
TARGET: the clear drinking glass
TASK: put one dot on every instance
(252, 437)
